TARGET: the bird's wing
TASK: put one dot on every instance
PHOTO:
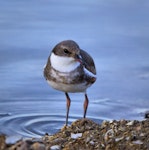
(88, 61)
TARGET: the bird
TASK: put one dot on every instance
(71, 70)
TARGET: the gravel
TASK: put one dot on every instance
(84, 134)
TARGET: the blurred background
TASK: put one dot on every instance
(115, 33)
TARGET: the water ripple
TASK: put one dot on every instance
(31, 125)
(34, 125)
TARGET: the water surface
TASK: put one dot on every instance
(115, 33)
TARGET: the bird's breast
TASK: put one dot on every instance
(63, 64)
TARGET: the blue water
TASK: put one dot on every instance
(115, 33)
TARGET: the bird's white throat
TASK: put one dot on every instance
(63, 64)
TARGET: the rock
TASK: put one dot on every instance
(37, 146)
(55, 147)
(2, 142)
(75, 136)
(146, 114)
(130, 123)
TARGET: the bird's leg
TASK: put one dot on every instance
(86, 101)
(68, 102)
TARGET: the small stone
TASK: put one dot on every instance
(109, 134)
(47, 134)
(146, 115)
(92, 142)
(130, 123)
(111, 121)
(127, 138)
(142, 134)
(67, 133)
(119, 139)
(137, 142)
(75, 136)
(38, 146)
(55, 147)
(104, 124)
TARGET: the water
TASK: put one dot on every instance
(115, 33)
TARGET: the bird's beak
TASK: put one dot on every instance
(78, 59)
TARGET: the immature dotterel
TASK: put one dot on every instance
(70, 69)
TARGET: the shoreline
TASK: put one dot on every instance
(84, 134)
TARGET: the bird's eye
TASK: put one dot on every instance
(66, 51)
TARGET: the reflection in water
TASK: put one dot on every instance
(115, 34)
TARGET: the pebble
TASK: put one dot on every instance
(137, 142)
(130, 123)
(119, 139)
(37, 146)
(75, 136)
(55, 147)
(109, 134)
(146, 114)
(92, 142)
